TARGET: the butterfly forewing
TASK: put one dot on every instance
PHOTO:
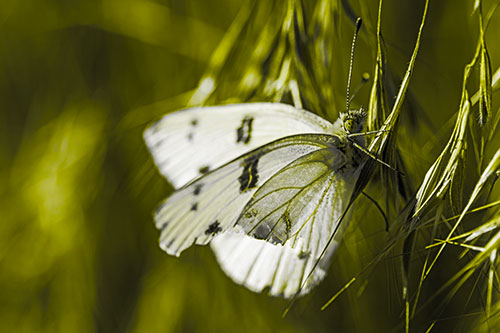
(212, 204)
(189, 143)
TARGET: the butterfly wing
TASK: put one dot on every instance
(213, 203)
(188, 143)
(291, 219)
(263, 266)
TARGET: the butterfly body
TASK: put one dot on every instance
(265, 184)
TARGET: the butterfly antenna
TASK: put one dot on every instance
(358, 26)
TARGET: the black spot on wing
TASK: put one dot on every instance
(213, 229)
(194, 207)
(204, 169)
(194, 122)
(262, 231)
(197, 189)
(250, 213)
(275, 240)
(163, 226)
(304, 255)
(250, 175)
(160, 208)
(244, 132)
(169, 244)
(160, 142)
(288, 223)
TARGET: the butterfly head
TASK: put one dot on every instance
(353, 121)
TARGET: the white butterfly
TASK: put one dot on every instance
(266, 184)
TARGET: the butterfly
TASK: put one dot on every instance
(266, 184)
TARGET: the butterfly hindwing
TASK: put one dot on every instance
(274, 209)
(294, 213)
(213, 203)
(189, 143)
(262, 266)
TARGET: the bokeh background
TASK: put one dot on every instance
(80, 81)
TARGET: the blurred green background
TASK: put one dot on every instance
(80, 81)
